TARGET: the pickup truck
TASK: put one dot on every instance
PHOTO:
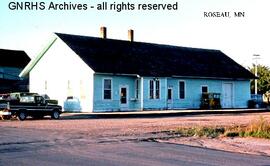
(32, 105)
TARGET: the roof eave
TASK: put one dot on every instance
(175, 76)
(119, 74)
(35, 60)
(204, 77)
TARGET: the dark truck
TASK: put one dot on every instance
(21, 105)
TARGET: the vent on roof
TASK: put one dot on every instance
(131, 35)
(103, 32)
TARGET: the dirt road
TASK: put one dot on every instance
(96, 130)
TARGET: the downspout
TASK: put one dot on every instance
(141, 102)
(166, 92)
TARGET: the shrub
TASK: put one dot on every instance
(200, 132)
(210, 132)
(186, 132)
(232, 134)
(242, 133)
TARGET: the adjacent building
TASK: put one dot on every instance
(116, 75)
(11, 64)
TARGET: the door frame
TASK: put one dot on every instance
(127, 96)
(169, 101)
(232, 95)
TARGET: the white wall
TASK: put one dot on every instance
(59, 66)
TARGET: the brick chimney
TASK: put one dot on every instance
(131, 35)
(103, 32)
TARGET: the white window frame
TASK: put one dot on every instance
(184, 89)
(103, 88)
(154, 89)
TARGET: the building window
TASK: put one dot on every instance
(154, 88)
(181, 89)
(46, 85)
(136, 88)
(69, 87)
(107, 87)
(151, 88)
(82, 90)
(169, 94)
(157, 89)
(204, 89)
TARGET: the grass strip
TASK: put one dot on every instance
(259, 128)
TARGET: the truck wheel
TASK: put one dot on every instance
(21, 116)
(55, 114)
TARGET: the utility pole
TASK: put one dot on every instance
(256, 57)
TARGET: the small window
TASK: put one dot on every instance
(69, 87)
(137, 88)
(69, 97)
(107, 86)
(181, 89)
(151, 88)
(170, 94)
(46, 85)
(157, 89)
(204, 89)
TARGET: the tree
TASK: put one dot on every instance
(263, 85)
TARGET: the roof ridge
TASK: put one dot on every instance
(139, 42)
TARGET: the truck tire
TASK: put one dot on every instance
(55, 114)
(21, 116)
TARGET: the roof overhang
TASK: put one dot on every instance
(119, 74)
(35, 60)
(176, 76)
(213, 78)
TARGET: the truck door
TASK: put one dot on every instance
(40, 101)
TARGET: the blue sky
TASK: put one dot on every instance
(239, 38)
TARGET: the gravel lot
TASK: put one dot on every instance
(127, 129)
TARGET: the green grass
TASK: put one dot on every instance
(259, 128)
(200, 132)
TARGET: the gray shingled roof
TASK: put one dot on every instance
(13, 58)
(147, 59)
